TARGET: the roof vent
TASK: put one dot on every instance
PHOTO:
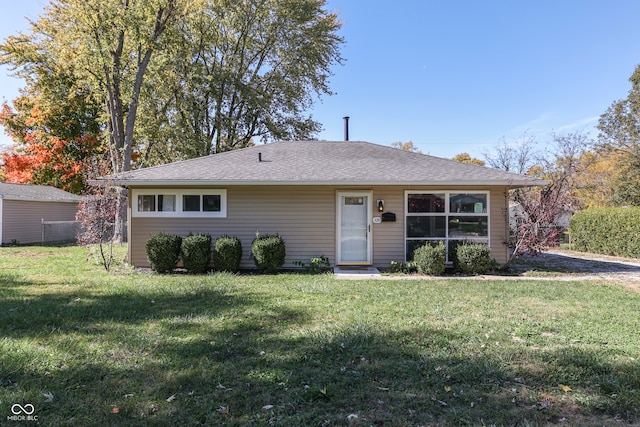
(259, 157)
(346, 128)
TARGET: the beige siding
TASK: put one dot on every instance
(499, 224)
(305, 218)
(388, 237)
(22, 219)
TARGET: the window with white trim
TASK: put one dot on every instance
(451, 217)
(180, 203)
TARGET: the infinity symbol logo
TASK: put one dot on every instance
(27, 409)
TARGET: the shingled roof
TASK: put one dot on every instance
(320, 163)
(36, 192)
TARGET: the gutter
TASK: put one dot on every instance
(209, 183)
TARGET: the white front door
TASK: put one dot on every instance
(354, 228)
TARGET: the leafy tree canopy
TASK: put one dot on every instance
(620, 132)
(466, 158)
(407, 146)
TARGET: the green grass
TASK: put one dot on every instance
(86, 347)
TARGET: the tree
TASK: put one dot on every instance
(517, 156)
(534, 220)
(466, 158)
(107, 45)
(620, 132)
(206, 75)
(406, 146)
(97, 216)
(242, 71)
(53, 141)
(597, 181)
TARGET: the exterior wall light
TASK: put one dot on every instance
(380, 204)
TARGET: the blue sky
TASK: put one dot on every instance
(461, 76)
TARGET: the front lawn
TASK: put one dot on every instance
(86, 347)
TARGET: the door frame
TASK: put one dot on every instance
(353, 193)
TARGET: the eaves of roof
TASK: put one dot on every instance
(209, 183)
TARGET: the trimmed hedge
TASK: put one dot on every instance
(473, 258)
(163, 252)
(227, 254)
(196, 253)
(268, 252)
(608, 231)
(430, 259)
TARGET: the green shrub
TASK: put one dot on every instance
(163, 252)
(430, 259)
(196, 253)
(227, 254)
(473, 258)
(608, 231)
(316, 265)
(398, 267)
(268, 252)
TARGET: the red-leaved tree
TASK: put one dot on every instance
(535, 213)
(52, 143)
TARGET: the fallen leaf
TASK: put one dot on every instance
(447, 388)
(267, 407)
(115, 410)
(352, 417)
(128, 395)
(49, 397)
(171, 398)
(565, 388)
(47, 374)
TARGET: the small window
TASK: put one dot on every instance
(468, 203)
(191, 203)
(177, 203)
(426, 203)
(468, 226)
(426, 226)
(354, 201)
(211, 203)
(147, 203)
(166, 203)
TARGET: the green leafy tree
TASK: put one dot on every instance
(620, 132)
(107, 46)
(406, 146)
(466, 158)
(242, 71)
(185, 78)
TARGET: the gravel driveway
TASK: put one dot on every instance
(571, 265)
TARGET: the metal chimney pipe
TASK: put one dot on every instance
(346, 128)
